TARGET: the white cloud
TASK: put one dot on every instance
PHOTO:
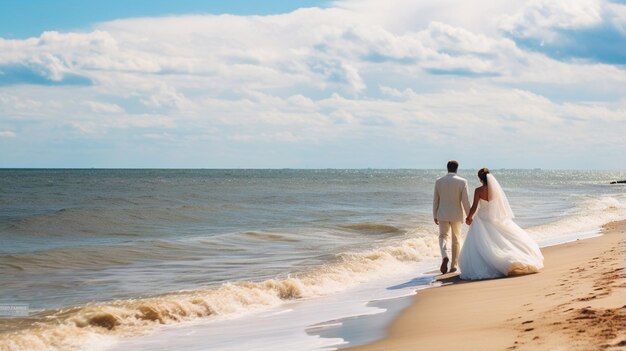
(166, 96)
(103, 107)
(412, 15)
(7, 134)
(543, 18)
(400, 72)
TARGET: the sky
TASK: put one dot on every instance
(313, 84)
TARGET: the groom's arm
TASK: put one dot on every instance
(436, 204)
(465, 199)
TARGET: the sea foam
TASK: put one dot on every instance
(88, 325)
(84, 326)
(75, 328)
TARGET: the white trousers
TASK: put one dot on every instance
(444, 238)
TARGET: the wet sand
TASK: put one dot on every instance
(577, 302)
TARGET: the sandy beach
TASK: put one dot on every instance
(577, 302)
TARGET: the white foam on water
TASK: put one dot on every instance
(589, 215)
(291, 326)
(73, 328)
(295, 325)
(286, 326)
(569, 238)
(277, 312)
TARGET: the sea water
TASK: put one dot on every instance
(241, 259)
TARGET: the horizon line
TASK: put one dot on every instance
(299, 169)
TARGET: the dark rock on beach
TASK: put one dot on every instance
(619, 182)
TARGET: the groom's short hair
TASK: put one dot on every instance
(453, 166)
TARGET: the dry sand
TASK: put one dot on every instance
(577, 302)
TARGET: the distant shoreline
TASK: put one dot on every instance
(305, 169)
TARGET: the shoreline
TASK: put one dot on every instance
(577, 302)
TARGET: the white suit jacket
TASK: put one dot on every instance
(451, 198)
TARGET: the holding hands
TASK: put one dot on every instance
(468, 220)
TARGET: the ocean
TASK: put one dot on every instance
(106, 259)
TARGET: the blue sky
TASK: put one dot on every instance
(304, 84)
(21, 19)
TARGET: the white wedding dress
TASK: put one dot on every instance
(495, 246)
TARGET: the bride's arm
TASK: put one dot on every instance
(470, 215)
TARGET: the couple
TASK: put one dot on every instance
(495, 246)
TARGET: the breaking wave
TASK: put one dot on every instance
(77, 327)
(91, 326)
(590, 213)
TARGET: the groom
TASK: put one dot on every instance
(450, 199)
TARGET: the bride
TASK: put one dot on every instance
(495, 246)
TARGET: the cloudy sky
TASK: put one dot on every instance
(313, 84)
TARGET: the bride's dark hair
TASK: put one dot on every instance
(482, 174)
